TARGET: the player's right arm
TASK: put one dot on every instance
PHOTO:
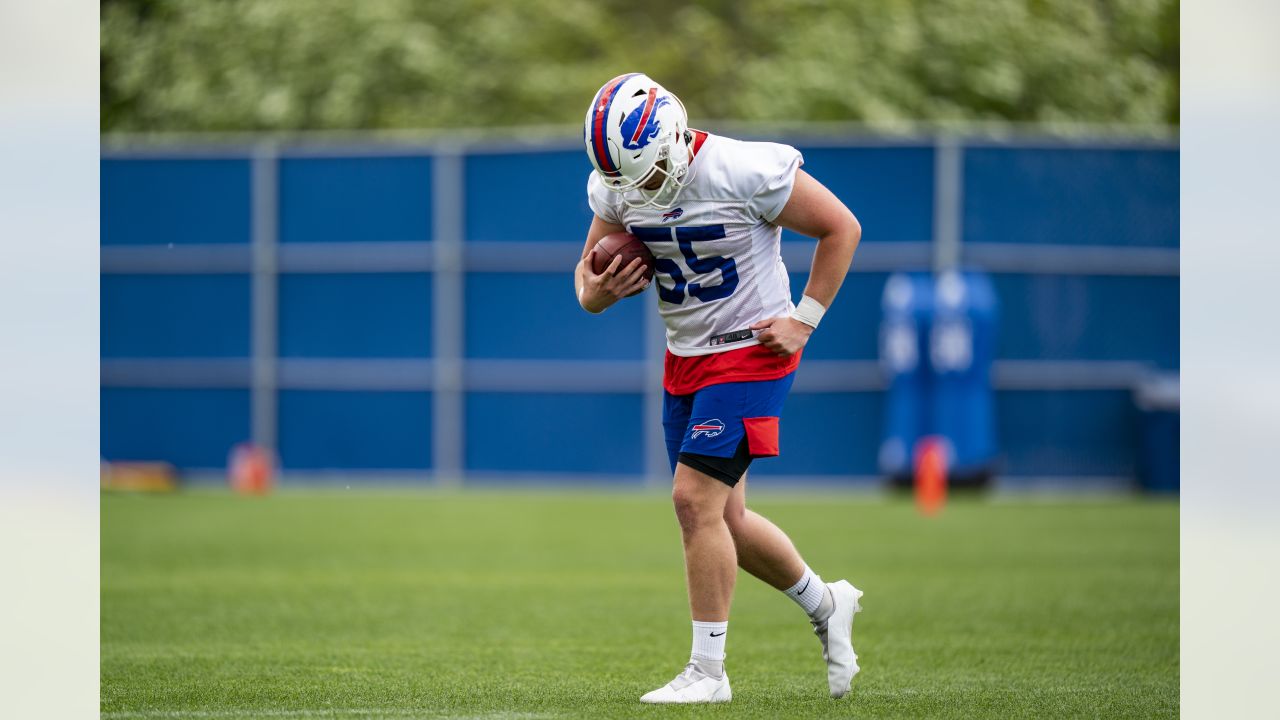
(597, 292)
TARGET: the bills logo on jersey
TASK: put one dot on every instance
(641, 125)
(673, 215)
(710, 428)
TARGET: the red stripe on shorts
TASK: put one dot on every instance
(762, 436)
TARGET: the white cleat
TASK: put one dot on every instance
(692, 686)
(836, 635)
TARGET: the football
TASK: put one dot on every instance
(624, 244)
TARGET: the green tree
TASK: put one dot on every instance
(229, 65)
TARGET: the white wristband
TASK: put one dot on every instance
(809, 312)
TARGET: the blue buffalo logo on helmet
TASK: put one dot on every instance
(641, 124)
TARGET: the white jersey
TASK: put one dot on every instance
(719, 262)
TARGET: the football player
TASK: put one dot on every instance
(711, 209)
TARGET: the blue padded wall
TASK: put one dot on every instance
(1067, 433)
(555, 433)
(174, 316)
(186, 427)
(535, 315)
(355, 199)
(827, 434)
(364, 430)
(527, 197)
(1071, 196)
(890, 189)
(851, 328)
(157, 202)
(1088, 317)
(350, 315)
(1058, 196)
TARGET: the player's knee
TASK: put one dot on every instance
(692, 510)
(735, 516)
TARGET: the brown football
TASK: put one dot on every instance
(624, 244)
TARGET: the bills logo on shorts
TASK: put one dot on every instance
(710, 428)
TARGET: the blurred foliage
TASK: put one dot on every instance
(221, 65)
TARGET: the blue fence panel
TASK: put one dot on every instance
(157, 202)
(350, 315)
(358, 430)
(527, 197)
(355, 199)
(1125, 197)
(1088, 317)
(555, 433)
(1067, 433)
(190, 428)
(890, 189)
(1071, 196)
(850, 328)
(535, 315)
(167, 316)
(827, 434)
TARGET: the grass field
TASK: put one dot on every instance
(571, 604)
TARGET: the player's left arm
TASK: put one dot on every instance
(814, 211)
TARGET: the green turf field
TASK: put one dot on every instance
(571, 604)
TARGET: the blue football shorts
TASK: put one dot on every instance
(726, 421)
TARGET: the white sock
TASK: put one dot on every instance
(708, 646)
(809, 592)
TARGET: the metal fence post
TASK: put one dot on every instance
(657, 471)
(265, 227)
(948, 194)
(448, 297)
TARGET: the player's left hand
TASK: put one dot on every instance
(783, 335)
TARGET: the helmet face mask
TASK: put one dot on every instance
(634, 129)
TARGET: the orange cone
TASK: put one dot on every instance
(931, 475)
(250, 470)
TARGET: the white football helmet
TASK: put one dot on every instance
(636, 128)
